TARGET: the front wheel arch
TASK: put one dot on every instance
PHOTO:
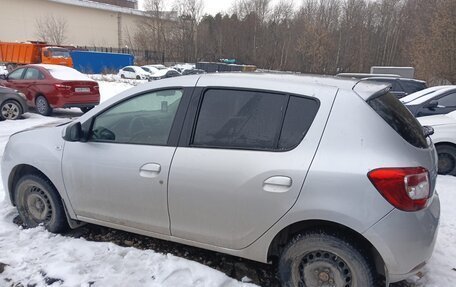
(24, 169)
(288, 233)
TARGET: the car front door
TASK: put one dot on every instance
(15, 80)
(120, 175)
(243, 164)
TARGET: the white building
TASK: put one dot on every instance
(88, 23)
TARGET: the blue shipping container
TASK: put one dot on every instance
(98, 62)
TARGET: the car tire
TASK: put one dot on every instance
(447, 159)
(38, 202)
(122, 76)
(86, 109)
(10, 110)
(322, 259)
(42, 106)
(138, 78)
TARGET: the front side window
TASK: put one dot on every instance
(16, 75)
(252, 120)
(448, 100)
(145, 119)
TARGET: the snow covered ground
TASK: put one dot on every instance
(36, 257)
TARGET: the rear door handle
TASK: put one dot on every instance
(150, 170)
(277, 184)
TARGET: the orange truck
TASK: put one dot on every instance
(15, 54)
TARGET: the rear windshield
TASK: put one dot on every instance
(399, 118)
(412, 87)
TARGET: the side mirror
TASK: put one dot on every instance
(3, 77)
(46, 54)
(431, 105)
(73, 132)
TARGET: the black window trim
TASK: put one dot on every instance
(176, 127)
(189, 126)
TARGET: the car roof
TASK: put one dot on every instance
(428, 96)
(49, 66)
(279, 81)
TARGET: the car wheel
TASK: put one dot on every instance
(10, 110)
(138, 78)
(320, 259)
(86, 109)
(42, 106)
(122, 76)
(38, 203)
(447, 159)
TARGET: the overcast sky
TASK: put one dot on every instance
(211, 6)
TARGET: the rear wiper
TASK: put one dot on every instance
(428, 131)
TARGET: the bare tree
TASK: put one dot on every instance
(190, 13)
(51, 29)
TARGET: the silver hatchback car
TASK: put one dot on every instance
(333, 179)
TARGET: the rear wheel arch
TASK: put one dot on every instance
(287, 234)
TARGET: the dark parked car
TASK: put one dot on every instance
(192, 72)
(12, 104)
(165, 73)
(51, 86)
(400, 87)
(432, 101)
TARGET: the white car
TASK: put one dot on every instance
(444, 138)
(134, 72)
(150, 69)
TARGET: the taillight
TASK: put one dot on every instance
(62, 87)
(407, 189)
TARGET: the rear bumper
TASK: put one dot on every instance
(78, 101)
(406, 240)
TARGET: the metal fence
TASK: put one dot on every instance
(142, 57)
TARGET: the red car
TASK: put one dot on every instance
(51, 86)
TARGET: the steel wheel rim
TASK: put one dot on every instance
(446, 163)
(10, 111)
(324, 269)
(38, 205)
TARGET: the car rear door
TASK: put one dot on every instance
(241, 163)
(31, 79)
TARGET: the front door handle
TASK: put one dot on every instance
(150, 170)
(277, 184)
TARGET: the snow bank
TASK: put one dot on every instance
(441, 269)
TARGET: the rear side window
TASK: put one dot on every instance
(298, 119)
(399, 118)
(253, 120)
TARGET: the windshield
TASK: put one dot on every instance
(59, 53)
